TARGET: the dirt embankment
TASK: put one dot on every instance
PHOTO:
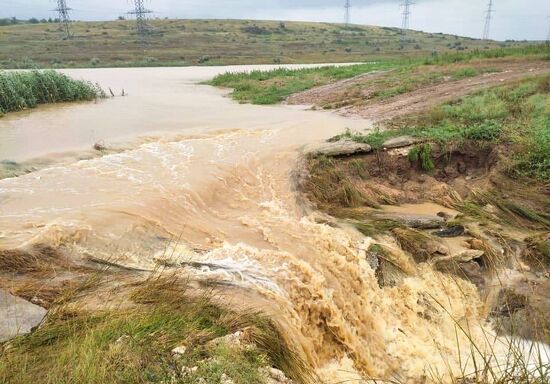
(361, 96)
(457, 208)
(463, 218)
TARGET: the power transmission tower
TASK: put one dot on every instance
(64, 19)
(488, 17)
(141, 17)
(406, 17)
(347, 8)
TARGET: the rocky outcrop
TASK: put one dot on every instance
(17, 316)
(400, 142)
(238, 339)
(421, 246)
(465, 265)
(521, 309)
(275, 376)
(389, 267)
(452, 231)
(338, 148)
(388, 274)
(416, 221)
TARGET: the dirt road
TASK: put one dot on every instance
(353, 97)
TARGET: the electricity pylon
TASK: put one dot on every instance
(488, 18)
(406, 17)
(64, 19)
(140, 13)
(347, 10)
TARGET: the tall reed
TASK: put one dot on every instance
(26, 89)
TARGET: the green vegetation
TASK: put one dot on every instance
(515, 116)
(458, 57)
(271, 87)
(409, 78)
(406, 75)
(220, 42)
(423, 155)
(134, 343)
(33, 20)
(376, 139)
(23, 90)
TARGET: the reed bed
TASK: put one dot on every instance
(22, 90)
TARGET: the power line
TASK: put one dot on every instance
(406, 17)
(347, 8)
(141, 19)
(64, 19)
(488, 17)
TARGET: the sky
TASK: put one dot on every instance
(513, 19)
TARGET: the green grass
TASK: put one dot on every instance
(23, 90)
(271, 87)
(458, 57)
(220, 42)
(376, 139)
(408, 74)
(133, 344)
(515, 116)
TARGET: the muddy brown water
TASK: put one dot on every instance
(206, 184)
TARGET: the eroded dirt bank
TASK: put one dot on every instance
(451, 209)
(464, 218)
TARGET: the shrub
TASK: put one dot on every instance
(203, 59)
(423, 155)
(23, 90)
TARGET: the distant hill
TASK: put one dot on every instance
(210, 42)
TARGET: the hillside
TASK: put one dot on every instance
(211, 42)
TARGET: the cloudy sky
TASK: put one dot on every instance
(513, 19)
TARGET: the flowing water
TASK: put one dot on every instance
(208, 184)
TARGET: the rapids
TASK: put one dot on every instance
(206, 185)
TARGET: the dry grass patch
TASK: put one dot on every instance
(134, 342)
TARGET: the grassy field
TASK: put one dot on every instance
(23, 90)
(271, 87)
(211, 42)
(408, 74)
